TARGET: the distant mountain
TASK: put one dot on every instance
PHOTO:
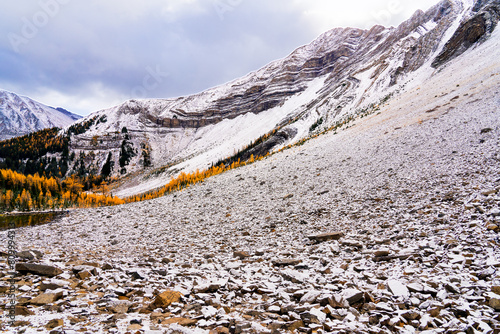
(21, 115)
(69, 113)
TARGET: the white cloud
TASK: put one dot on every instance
(327, 14)
(175, 10)
(93, 97)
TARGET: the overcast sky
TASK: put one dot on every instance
(89, 55)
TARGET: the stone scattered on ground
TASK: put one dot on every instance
(402, 242)
(37, 269)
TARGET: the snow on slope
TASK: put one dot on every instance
(340, 73)
(407, 182)
(20, 115)
(209, 146)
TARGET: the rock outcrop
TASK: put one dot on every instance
(471, 31)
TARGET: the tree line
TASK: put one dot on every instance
(34, 192)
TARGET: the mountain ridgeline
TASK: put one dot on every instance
(345, 73)
(21, 115)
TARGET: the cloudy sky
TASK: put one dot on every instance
(93, 54)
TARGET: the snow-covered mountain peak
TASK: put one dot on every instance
(20, 115)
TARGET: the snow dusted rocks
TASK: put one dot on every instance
(397, 288)
(326, 237)
(406, 188)
(38, 269)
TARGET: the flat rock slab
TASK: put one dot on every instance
(326, 236)
(495, 304)
(54, 323)
(286, 262)
(30, 255)
(353, 296)
(24, 311)
(166, 298)
(310, 297)
(392, 257)
(415, 287)
(241, 254)
(180, 321)
(52, 284)
(37, 269)
(397, 288)
(46, 298)
(381, 252)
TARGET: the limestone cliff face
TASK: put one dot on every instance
(473, 30)
(340, 54)
(342, 71)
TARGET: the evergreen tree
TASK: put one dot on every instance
(146, 155)
(108, 166)
(126, 153)
(80, 165)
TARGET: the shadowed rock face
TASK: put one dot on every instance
(267, 146)
(474, 30)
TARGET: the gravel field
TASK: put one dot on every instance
(388, 226)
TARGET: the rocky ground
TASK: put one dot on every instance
(389, 226)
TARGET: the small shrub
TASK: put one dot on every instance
(316, 124)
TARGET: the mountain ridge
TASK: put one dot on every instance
(341, 72)
(20, 115)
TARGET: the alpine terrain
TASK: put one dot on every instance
(343, 73)
(375, 207)
(21, 115)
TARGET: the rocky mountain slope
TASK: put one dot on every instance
(344, 72)
(390, 225)
(21, 115)
(413, 191)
